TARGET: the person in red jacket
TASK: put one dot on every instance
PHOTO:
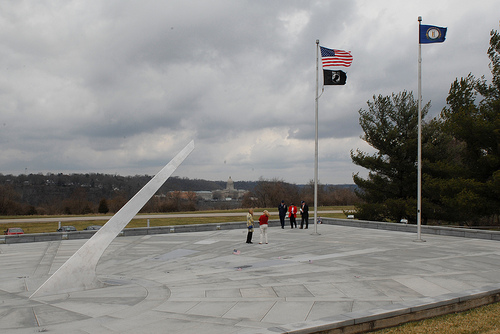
(292, 213)
(263, 226)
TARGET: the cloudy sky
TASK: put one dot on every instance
(121, 86)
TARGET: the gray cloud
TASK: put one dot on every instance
(122, 86)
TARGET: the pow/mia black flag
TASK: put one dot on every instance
(334, 77)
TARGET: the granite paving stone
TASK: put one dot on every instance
(195, 282)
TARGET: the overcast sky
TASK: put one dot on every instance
(121, 86)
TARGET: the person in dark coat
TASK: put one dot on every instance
(304, 212)
(282, 209)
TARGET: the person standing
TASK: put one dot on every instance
(282, 209)
(250, 226)
(263, 226)
(292, 212)
(304, 212)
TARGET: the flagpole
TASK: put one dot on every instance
(316, 144)
(419, 150)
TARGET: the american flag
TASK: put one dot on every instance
(334, 58)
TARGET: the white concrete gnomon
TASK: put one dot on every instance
(79, 271)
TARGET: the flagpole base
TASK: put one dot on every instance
(419, 240)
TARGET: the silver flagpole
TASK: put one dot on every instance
(419, 158)
(316, 145)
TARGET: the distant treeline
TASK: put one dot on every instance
(43, 194)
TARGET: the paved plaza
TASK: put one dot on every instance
(213, 282)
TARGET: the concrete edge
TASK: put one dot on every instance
(136, 231)
(425, 229)
(395, 314)
(436, 230)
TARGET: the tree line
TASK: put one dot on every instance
(460, 154)
(270, 193)
(55, 194)
(29, 194)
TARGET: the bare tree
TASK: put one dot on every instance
(269, 193)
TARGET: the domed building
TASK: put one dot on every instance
(228, 194)
(230, 184)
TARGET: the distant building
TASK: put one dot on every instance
(228, 194)
(205, 195)
(230, 184)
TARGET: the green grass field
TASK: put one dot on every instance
(481, 320)
(43, 227)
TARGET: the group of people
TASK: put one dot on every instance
(263, 222)
(283, 211)
(291, 212)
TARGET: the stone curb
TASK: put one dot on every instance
(425, 229)
(54, 236)
(436, 230)
(393, 315)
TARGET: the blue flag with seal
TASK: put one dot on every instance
(431, 34)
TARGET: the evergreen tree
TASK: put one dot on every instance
(463, 159)
(103, 206)
(391, 127)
